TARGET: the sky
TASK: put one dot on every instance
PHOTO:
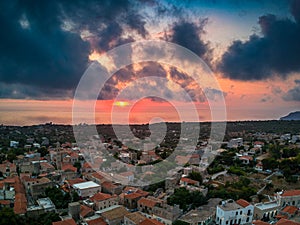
(251, 47)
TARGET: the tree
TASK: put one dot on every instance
(186, 199)
(195, 176)
(269, 164)
(58, 197)
(78, 166)
(43, 151)
(8, 217)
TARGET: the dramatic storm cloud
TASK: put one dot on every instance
(125, 76)
(275, 52)
(189, 35)
(46, 44)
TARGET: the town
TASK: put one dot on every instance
(252, 177)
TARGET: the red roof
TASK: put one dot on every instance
(133, 195)
(290, 209)
(259, 222)
(150, 222)
(291, 193)
(65, 222)
(98, 221)
(4, 202)
(250, 158)
(20, 206)
(86, 165)
(147, 202)
(188, 180)
(108, 185)
(75, 181)
(85, 211)
(100, 196)
(243, 203)
(68, 167)
(97, 175)
(286, 222)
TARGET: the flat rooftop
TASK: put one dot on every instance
(266, 205)
(228, 206)
(85, 185)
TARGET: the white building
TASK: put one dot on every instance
(14, 144)
(290, 197)
(234, 212)
(235, 142)
(87, 189)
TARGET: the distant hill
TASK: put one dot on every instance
(292, 116)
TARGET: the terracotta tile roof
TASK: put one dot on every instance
(243, 203)
(68, 167)
(250, 158)
(147, 202)
(20, 206)
(143, 193)
(86, 165)
(150, 222)
(290, 209)
(259, 222)
(4, 202)
(286, 222)
(46, 165)
(76, 181)
(98, 221)
(188, 180)
(65, 222)
(100, 196)
(108, 185)
(85, 211)
(98, 176)
(133, 195)
(115, 213)
(136, 217)
(291, 193)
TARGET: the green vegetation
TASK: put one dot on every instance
(186, 199)
(234, 190)
(58, 197)
(196, 176)
(8, 217)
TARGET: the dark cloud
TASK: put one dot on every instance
(189, 35)
(45, 44)
(294, 93)
(126, 75)
(275, 52)
(41, 54)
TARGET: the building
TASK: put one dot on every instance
(204, 215)
(115, 216)
(37, 187)
(86, 189)
(235, 142)
(65, 222)
(44, 205)
(103, 201)
(134, 218)
(74, 210)
(151, 222)
(265, 210)
(234, 212)
(291, 197)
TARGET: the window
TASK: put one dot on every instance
(241, 212)
(248, 218)
(236, 212)
(226, 221)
